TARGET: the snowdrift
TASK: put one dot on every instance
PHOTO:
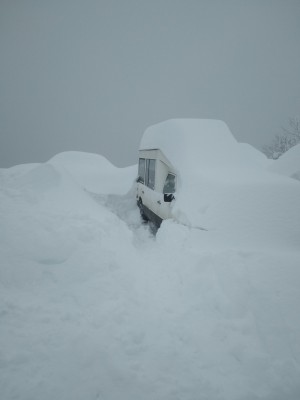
(91, 308)
(225, 187)
(44, 209)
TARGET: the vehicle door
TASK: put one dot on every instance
(166, 198)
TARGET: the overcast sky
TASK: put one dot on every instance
(92, 75)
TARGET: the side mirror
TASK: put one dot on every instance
(168, 198)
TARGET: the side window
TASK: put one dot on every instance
(169, 186)
(142, 164)
(150, 173)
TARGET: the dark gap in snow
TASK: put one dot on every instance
(125, 208)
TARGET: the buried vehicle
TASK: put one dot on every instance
(170, 155)
(156, 185)
(196, 173)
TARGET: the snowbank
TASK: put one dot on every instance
(92, 309)
(44, 211)
(289, 163)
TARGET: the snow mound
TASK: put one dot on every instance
(95, 173)
(289, 163)
(45, 214)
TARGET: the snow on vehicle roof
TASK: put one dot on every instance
(195, 143)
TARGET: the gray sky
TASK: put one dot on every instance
(93, 75)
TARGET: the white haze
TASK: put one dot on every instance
(92, 75)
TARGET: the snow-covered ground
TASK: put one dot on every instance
(94, 306)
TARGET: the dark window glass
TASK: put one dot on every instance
(150, 173)
(169, 186)
(141, 177)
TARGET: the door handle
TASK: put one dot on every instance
(158, 201)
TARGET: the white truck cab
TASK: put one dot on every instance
(156, 185)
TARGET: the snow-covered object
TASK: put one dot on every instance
(95, 173)
(224, 186)
(289, 163)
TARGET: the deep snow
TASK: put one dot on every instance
(93, 306)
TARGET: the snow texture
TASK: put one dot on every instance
(93, 306)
